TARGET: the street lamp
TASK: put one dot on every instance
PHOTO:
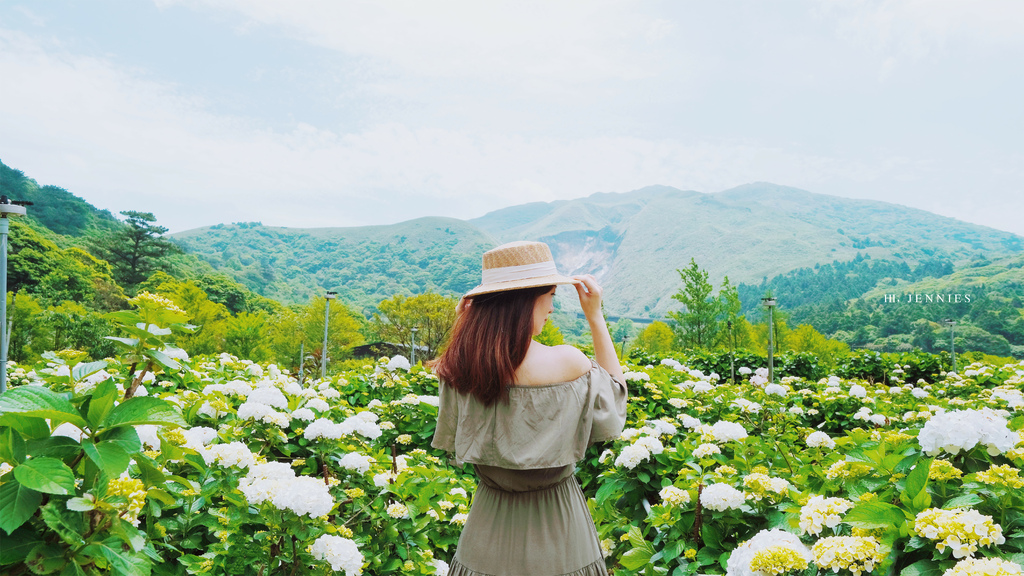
(412, 351)
(6, 209)
(732, 353)
(327, 318)
(952, 348)
(769, 301)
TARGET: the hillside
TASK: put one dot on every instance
(635, 241)
(363, 264)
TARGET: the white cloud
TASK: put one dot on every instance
(539, 45)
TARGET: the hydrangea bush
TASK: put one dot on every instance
(155, 463)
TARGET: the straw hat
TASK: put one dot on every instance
(518, 265)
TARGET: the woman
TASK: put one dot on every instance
(523, 414)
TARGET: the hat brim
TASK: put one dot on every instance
(550, 280)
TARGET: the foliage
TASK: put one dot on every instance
(550, 335)
(136, 250)
(697, 325)
(656, 338)
(432, 315)
(703, 465)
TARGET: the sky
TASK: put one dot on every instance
(350, 113)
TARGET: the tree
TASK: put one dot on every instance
(296, 326)
(431, 314)
(246, 336)
(697, 325)
(806, 339)
(136, 250)
(550, 335)
(656, 338)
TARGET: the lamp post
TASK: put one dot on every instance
(622, 349)
(327, 318)
(952, 347)
(769, 301)
(732, 354)
(412, 350)
(6, 209)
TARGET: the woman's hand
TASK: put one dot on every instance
(590, 295)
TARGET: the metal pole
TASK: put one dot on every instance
(302, 359)
(4, 229)
(771, 345)
(412, 350)
(732, 354)
(327, 317)
(952, 348)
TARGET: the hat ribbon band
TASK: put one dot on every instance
(522, 272)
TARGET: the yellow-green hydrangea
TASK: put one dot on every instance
(820, 512)
(1004, 475)
(760, 485)
(854, 553)
(984, 567)
(962, 530)
(942, 470)
(847, 470)
(132, 490)
(776, 560)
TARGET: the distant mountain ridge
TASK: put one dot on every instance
(633, 242)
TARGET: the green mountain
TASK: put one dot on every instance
(633, 242)
(363, 264)
(54, 208)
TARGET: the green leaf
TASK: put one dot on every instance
(607, 489)
(962, 501)
(129, 342)
(42, 403)
(72, 569)
(17, 504)
(126, 437)
(102, 401)
(59, 447)
(917, 480)
(80, 504)
(47, 475)
(636, 538)
(45, 559)
(121, 562)
(110, 458)
(12, 447)
(84, 370)
(922, 568)
(636, 558)
(17, 546)
(921, 502)
(67, 525)
(30, 428)
(143, 410)
(163, 359)
(874, 514)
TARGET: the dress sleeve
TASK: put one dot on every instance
(447, 419)
(609, 405)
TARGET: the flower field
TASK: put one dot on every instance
(153, 463)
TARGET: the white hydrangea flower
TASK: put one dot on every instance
(232, 454)
(671, 363)
(820, 512)
(318, 404)
(721, 497)
(725, 431)
(398, 362)
(356, 461)
(662, 428)
(689, 422)
(672, 496)
(305, 496)
(858, 391)
(199, 436)
(651, 444)
(340, 553)
(963, 430)
(269, 396)
(702, 386)
(632, 455)
(441, 567)
(744, 371)
(304, 414)
(820, 440)
(705, 450)
(776, 389)
(739, 560)
(637, 376)
(324, 428)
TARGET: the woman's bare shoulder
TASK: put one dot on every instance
(551, 364)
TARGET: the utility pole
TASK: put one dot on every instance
(412, 350)
(769, 301)
(327, 318)
(6, 209)
(952, 333)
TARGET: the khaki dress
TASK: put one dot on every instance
(529, 515)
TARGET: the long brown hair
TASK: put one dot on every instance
(489, 341)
